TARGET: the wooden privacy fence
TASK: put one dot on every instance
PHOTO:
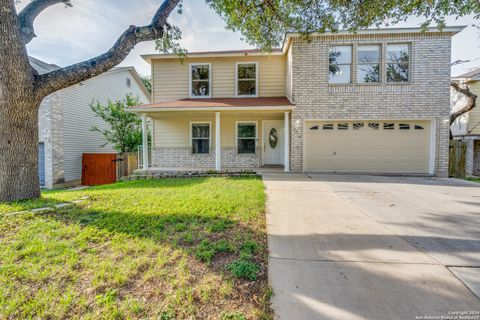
(104, 168)
(456, 159)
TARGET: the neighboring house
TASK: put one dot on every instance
(377, 101)
(467, 126)
(65, 120)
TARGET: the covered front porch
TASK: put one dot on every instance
(233, 136)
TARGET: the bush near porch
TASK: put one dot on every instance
(164, 249)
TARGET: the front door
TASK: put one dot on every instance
(273, 142)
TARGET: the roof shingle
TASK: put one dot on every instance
(220, 102)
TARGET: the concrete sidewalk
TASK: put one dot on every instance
(330, 260)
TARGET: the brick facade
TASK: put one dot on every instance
(182, 157)
(425, 96)
(50, 132)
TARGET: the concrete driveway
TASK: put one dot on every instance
(371, 247)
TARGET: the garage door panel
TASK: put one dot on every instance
(367, 149)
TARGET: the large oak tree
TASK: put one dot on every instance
(262, 22)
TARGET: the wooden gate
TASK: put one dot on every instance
(98, 168)
(456, 159)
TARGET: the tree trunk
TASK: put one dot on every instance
(18, 113)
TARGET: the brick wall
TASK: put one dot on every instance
(426, 96)
(182, 157)
(50, 132)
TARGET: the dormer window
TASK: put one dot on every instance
(246, 74)
(200, 80)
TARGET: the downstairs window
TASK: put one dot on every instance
(200, 133)
(246, 137)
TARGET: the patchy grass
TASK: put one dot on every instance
(164, 249)
(473, 179)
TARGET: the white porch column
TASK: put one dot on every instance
(218, 145)
(145, 141)
(286, 131)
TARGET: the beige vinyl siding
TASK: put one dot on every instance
(171, 77)
(367, 149)
(173, 129)
(289, 74)
(474, 115)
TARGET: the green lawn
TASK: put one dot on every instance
(163, 249)
(474, 179)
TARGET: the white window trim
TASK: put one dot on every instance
(209, 131)
(236, 132)
(343, 64)
(209, 80)
(256, 80)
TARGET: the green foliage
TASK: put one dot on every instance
(232, 316)
(107, 298)
(147, 82)
(244, 268)
(264, 23)
(170, 42)
(220, 225)
(124, 132)
(206, 250)
(249, 247)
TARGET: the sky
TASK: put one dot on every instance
(89, 28)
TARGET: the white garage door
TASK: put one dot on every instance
(367, 146)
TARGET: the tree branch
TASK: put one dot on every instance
(30, 12)
(471, 101)
(68, 76)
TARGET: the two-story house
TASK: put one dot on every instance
(376, 101)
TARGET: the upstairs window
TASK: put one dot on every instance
(398, 63)
(340, 64)
(200, 80)
(200, 136)
(368, 63)
(246, 74)
(246, 137)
